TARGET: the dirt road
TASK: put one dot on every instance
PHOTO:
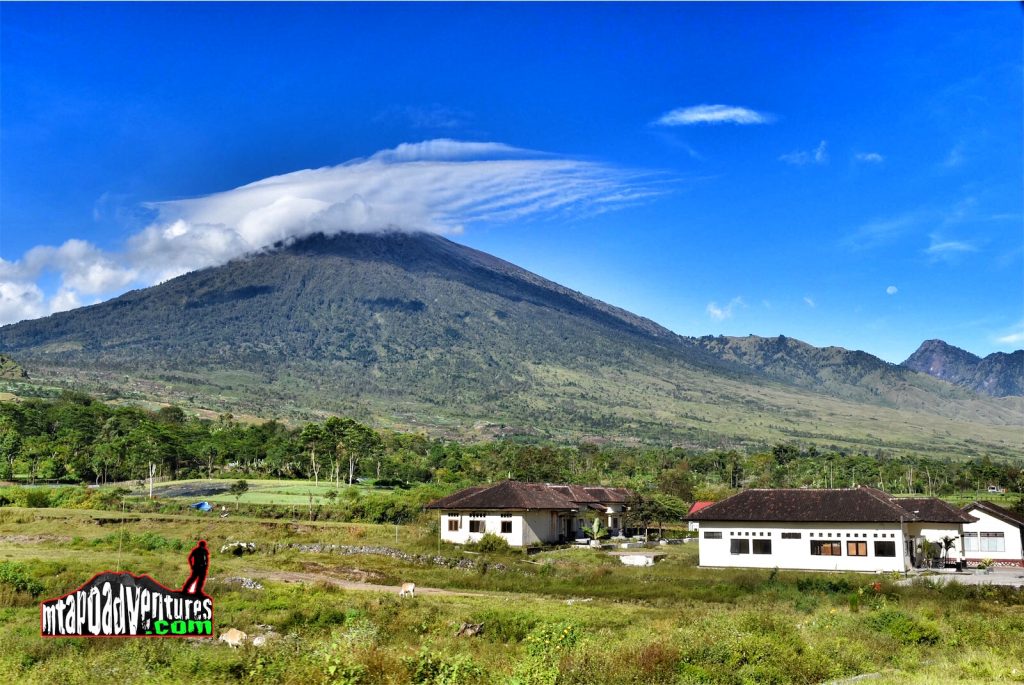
(311, 578)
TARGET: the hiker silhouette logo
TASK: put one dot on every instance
(122, 604)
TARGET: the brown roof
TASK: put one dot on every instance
(511, 494)
(591, 493)
(997, 511)
(850, 505)
(934, 510)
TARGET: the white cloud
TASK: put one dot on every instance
(872, 157)
(948, 250)
(20, 300)
(881, 231)
(891, 290)
(810, 302)
(1012, 338)
(721, 313)
(818, 155)
(439, 186)
(713, 114)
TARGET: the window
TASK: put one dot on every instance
(791, 536)
(506, 526)
(992, 542)
(740, 546)
(826, 548)
(476, 526)
(762, 546)
(453, 524)
(885, 548)
(856, 549)
(970, 542)
(712, 535)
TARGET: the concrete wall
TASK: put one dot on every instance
(986, 523)
(796, 553)
(528, 527)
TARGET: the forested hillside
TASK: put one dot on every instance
(75, 438)
(414, 331)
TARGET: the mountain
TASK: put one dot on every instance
(411, 330)
(998, 375)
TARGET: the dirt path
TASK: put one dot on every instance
(309, 578)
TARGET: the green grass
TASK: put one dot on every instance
(671, 623)
(284, 492)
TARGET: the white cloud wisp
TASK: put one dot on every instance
(713, 114)
(439, 186)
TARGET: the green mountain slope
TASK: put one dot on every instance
(412, 330)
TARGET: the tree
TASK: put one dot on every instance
(313, 437)
(596, 531)
(666, 508)
(238, 488)
(948, 542)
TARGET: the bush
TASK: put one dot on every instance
(17, 576)
(491, 542)
(506, 626)
(904, 628)
(429, 668)
(826, 585)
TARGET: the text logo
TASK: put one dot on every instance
(121, 604)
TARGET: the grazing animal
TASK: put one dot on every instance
(234, 637)
(408, 589)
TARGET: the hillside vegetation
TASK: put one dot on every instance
(414, 331)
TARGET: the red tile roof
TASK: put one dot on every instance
(697, 506)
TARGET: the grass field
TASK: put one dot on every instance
(284, 492)
(561, 616)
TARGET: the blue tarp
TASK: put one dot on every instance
(202, 506)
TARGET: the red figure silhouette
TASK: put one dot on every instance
(199, 562)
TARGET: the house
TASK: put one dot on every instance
(529, 513)
(697, 506)
(998, 534)
(853, 529)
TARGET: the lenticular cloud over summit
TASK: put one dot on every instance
(439, 186)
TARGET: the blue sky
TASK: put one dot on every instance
(846, 174)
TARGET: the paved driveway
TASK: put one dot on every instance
(998, 576)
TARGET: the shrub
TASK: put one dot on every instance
(18, 577)
(826, 585)
(491, 542)
(430, 668)
(904, 628)
(506, 626)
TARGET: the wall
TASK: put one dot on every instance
(987, 523)
(528, 527)
(796, 554)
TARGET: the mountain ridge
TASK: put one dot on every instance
(998, 374)
(415, 331)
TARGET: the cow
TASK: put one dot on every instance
(408, 589)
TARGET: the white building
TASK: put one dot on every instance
(998, 534)
(855, 529)
(529, 513)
